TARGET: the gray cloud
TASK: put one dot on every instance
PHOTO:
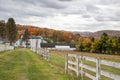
(92, 9)
(88, 14)
(65, 0)
(108, 2)
(45, 3)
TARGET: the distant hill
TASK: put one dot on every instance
(97, 34)
(109, 32)
(82, 33)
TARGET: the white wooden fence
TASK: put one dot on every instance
(4, 47)
(33, 49)
(75, 63)
(44, 52)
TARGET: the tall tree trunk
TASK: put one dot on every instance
(10, 43)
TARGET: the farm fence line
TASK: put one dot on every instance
(44, 52)
(77, 64)
(4, 47)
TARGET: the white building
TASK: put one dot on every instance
(64, 47)
(56, 46)
(33, 42)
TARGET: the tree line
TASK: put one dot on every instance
(106, 45)
(50, 35)
(8, 31)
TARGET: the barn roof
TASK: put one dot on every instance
(35, 37)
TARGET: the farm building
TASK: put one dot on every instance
(58, 46)
(1, 41)
(33, 42)
(39, 42)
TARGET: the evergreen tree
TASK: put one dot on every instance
(55, 34)
(92, 39)
(103, 41)
(2, 28)
(12, 30)
(110, 45)
(116, 45)
(26, 35)
(118, 50)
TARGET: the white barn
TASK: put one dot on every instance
(33, 42)
(64, 47)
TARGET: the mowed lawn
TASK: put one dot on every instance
(22, 64)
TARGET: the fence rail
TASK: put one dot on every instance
(44, 52)
(75, 63)
(4, 47)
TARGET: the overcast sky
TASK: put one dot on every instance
(71, 15)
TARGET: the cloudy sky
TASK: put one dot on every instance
(71, 15)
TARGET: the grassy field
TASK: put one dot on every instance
(115, 58)
(22, 64)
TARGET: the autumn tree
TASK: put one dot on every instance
(37, 33)
(80, 46)
(12, 30)
(60, 37)
(115, 45)
(87, 45)
(96, 47)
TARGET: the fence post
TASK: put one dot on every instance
(48, 55)
(98, 69)
(77, 65)
(66, 63)
(81, 61)
(37, 50)
(45, 53)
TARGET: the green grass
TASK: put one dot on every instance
(22, 64)
(104, 67)
(113, 60)
(93, 64)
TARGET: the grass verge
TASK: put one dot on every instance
(22, 64)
